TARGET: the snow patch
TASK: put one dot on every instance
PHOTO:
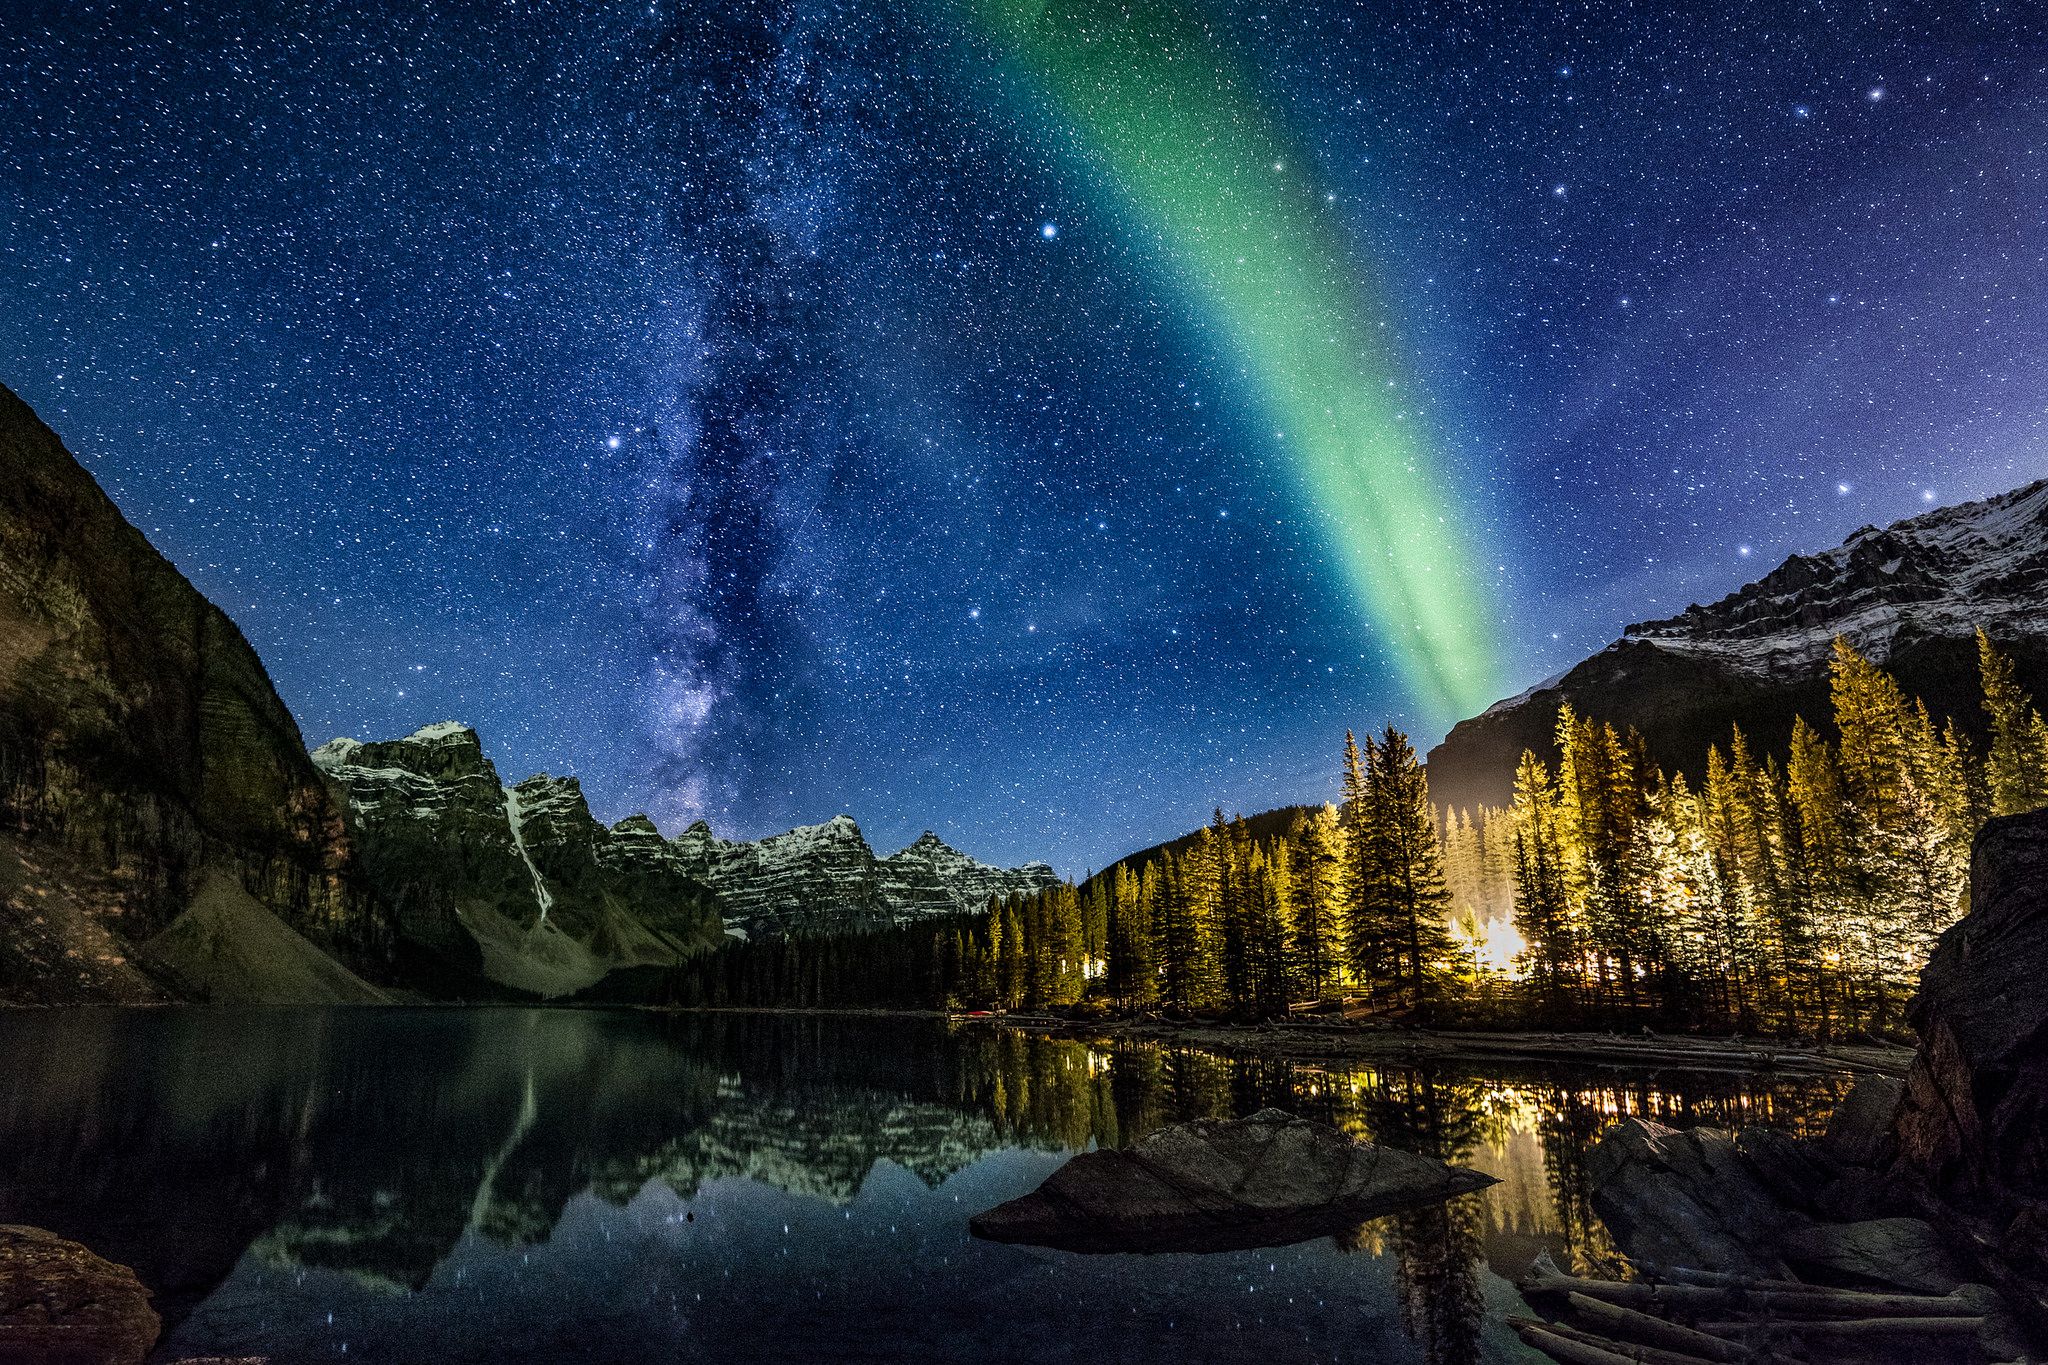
(336, 752)
(515, 818)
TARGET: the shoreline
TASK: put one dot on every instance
(1287, 1042)
(1325, 1042)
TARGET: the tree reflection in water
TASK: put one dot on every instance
(385, 1146)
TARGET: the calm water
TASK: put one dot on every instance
(553, 1185)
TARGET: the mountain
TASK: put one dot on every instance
(521, 878)
(1909, 596)
(163, 834)
(1269, 824)
(826, 877)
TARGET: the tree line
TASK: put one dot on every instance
(1795, 891)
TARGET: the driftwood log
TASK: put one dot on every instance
(1618, 1321)
(1853, 1327)
(1689, 1300)
(1575, 1347)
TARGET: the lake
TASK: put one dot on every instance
(579, 1185)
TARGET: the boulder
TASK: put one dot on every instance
(1222, 1185)
(1860, 1130)
(1973, 1125)
(1688, 1198)
(62, 1305)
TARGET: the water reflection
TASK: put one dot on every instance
(508, 1184)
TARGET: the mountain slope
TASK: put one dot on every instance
(1269, 824)
(143, 750)
(521, 880)
(1909, 596)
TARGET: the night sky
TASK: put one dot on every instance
(1039, 423)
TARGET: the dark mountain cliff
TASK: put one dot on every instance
(145, 758)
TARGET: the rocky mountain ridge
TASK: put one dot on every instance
(524, 879)
(826, 876)
(1909, 596)
(520, 879)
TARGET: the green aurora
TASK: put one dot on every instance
(1251, 241)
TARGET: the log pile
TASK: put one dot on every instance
(1693, 1317)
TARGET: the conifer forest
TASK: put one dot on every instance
(1790, 893)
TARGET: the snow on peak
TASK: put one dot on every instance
(1943, 573)
(440, 729)
(336, 752)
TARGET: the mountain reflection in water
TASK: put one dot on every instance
(511, 1184)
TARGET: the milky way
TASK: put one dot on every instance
(766, 410)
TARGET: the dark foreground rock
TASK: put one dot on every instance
(1223, 1185)
(1761, 1204)
(1972, 1131)
(62, 1305)
(1687, 1198)
(1975, 1119)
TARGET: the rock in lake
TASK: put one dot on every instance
(1223, 1185)
(1687, 1197)
(61, 1303)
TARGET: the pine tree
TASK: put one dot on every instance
(1065, 951)
(1269, 948)
(1189, 974)
(1410, 899)
(2016, 770)
(1133, 960)
(1542, 914)
(1316, 897)
(1228, 846)
(1364, 935)
(1813, 787)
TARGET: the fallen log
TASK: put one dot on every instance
(1653, 1331)
(1623, 1350)
(1703, 1300)
(1854, 1327)
(1562, 1348)
(1721, 1279)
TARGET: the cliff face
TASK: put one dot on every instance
(518, 883)
(825, 876)
(1910, 596)
(1975, 1117)
(142, 749)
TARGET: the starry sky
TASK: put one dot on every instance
(1038, 422)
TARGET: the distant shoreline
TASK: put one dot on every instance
(1326, 1042)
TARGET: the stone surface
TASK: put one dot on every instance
(142, 747)
(1687, 1198)
(62, 1305)
(1223, 1184)
(1905, 1253)
(1974, 1122)
(1860, 1130)
(519, 884)
(1910, 596)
